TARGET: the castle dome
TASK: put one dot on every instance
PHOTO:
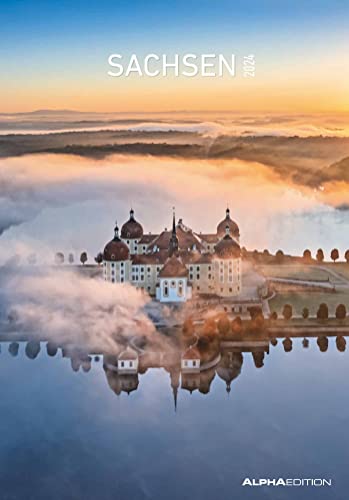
(131, 229)
(116, 250)
(227, 248)
(228, 222)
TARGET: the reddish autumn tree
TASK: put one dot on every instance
(320, 255)
(334, 254)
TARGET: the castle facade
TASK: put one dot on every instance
(177, 265)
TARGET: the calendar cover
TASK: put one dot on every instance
(174, 250)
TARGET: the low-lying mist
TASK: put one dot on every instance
(55, 203)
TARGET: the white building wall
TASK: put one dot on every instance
(190, 365)
(132, 245)
(174, 290)
(127, 366)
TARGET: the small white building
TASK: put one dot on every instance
(191, 360)
(173, 282)
(128, 361)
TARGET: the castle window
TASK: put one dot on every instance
(173, 284)
(180, 288)
(144, 248)
(230, 290)
(191, 276)
(198, 276)
(148, 269)
(142, 277)
(198, 268)
(128, 242)
(122, 280)
(194, 362)
(198, 288)
(190, 268)
(113, 280)
(209, 268)
(122, 364)
(165, 289)
(209, 276)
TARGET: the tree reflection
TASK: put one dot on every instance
(32, 349)
(322, 342)
(13, 349)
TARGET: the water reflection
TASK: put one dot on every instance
(123, 370)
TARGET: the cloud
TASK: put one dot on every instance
(68, 308)
(207, 124)
(69, 203)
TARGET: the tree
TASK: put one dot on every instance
(341, 343)
(322, 312)
(287, 311)
(287, 343)
(71, 258)
(334, 254)
(320, 255)
(236, 325)
(346, 256)
(255, 255)
(305, 313)
(322, 342)
(59, 258)
(224, 326)
(341, 311)
(279, 256)
(305, 343)
(209, 328)
(188, 327)
(99, 258)
(83, 258)
(255, 311)
(307, 255)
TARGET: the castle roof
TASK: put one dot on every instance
(128, 353)
(116, 250)
(209, 238)
(173, 268)
(191, 353)
(228, 222)
(131, 229)
(147, 238)
(186, 239)
(228, 248)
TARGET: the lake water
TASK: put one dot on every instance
(66, 434)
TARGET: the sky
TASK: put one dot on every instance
(54, 55)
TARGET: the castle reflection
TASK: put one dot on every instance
(124, 369)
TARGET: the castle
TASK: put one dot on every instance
(176, 265)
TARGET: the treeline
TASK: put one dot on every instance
(59, 258)
(265, 257)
